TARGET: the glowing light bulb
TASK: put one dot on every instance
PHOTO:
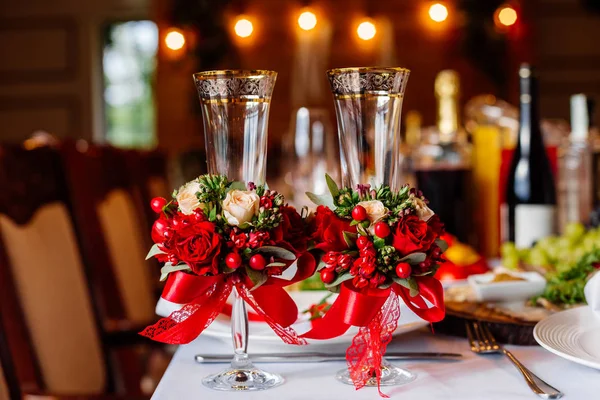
(366, 30)
(175, 39)
(243, 27)
(307, 20)
(506, 15)
(438, 12)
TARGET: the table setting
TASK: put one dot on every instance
(233, 251)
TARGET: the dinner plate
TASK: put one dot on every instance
(572, 334)
(260, 332)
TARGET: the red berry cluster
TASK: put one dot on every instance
(364, 268)
(336, 263)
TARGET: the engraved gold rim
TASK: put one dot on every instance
(367, 95)
(241, 99)
(344, 70)
(235, 73)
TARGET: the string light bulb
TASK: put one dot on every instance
(307, 20)
(438, 12)
(243, 27)
(174, 39)
(505, 15)
(366, 30)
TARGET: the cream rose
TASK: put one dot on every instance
(240, 206)
(422, 211)
(375, 210)
(186, 197)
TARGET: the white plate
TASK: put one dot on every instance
(532, 284)
(572, 334)
(260, 331)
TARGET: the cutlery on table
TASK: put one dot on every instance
(482, 342)
(322, 357)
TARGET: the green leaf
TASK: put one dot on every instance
(341, 278)
(386, 285)
(321, 200)
(226, 270)
(168, 268)
(350, 238)
(354, 222)
(276, 264)
(154, 250)
(360, 229)
(414, 288)
(414, 258)
(321, 265)
(257, 277)
(378, 242)
(441, 244)
(333, 187)
(401, 282)
(277, 252)
(212, 216)
(237, 185)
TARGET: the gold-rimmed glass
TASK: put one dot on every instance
(368, 103)
(235, 111)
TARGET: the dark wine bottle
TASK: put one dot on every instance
(530, 192)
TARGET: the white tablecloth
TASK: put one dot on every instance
(490, 377)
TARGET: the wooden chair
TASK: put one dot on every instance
(116, 237)
(148, 172)
(47, 316)
(109, 211)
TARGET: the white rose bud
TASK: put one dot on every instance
(375, 212)
(422, 211)
(240, 206)
(186, 197)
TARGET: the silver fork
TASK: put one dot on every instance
(482, 342)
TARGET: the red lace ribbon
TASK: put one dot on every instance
(205, 297)
(376, 312)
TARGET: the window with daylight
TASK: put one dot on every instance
(129, 62)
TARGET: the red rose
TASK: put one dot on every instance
(329, 230)
(414, 235)
(292, 229)
(198, 246)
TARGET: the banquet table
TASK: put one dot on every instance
(476, 377)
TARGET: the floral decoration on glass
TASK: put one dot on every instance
(216, 235)
(375, 245)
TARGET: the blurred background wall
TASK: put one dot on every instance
(52, 75)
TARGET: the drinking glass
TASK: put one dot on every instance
(311, 151)
(368, 103)
(235, 110)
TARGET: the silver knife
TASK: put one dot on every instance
(322, 357)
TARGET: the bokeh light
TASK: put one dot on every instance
(438, 12)
(307, 20)
(506, 15)
(175, 39)
(366, 30)
(243, 27)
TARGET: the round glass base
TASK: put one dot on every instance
(240, 379)
(390, 376)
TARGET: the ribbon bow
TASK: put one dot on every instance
(206, 296)
(376, 312)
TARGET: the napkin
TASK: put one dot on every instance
(592, 293)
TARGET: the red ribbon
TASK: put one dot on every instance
(205, 297)
(376, 312)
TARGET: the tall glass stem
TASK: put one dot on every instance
(235, 109)
(239, 332)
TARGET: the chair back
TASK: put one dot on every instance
(41, 258)
(108, 207)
